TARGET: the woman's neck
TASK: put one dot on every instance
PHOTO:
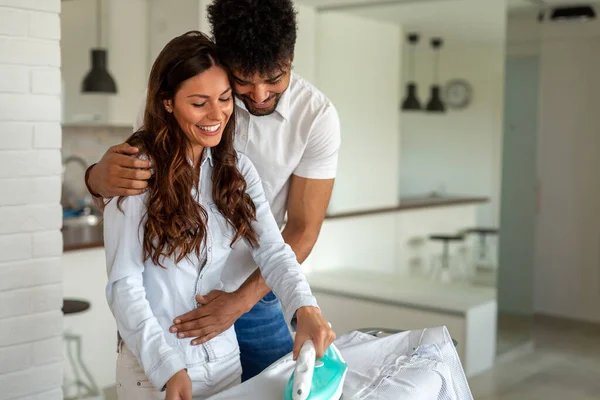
(195, 154)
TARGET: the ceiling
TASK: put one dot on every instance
(445, 18)
(348, 3)
(537, 4)
(511, 4)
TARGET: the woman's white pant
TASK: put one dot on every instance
(207, 379)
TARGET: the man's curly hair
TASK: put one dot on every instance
(254, 36)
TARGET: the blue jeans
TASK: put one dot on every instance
(263, 336)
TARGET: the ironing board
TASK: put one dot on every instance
(419, 364)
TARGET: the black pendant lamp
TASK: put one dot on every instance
(435, 103)
(99, 80)
(411, 101)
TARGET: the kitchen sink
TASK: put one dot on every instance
(83, 231)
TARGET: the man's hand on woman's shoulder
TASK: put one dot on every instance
(119, 173)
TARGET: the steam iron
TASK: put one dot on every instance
(314, 379)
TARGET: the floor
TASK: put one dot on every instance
(513, 332)
(565, 364)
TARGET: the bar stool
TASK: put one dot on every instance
(442, 270)
(73, 344)
(416, 247)
(484, 259)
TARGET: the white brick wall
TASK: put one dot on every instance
(31, 322)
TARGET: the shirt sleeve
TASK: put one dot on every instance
(126, 295)
(275, 258)
(320, 157)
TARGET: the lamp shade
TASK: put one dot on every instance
(579, 12)
(435, 103)
(98, 80)
(411, 102)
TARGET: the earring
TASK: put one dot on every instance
(169, 110)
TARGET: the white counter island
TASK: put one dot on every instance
(353, 299)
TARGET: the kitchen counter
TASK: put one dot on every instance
(397, 290)
(83, 232)
(82, 245)
(414, 202)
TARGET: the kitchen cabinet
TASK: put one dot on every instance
(84, 278)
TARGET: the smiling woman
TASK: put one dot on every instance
(189, 107)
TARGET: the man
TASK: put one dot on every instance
(291, 133)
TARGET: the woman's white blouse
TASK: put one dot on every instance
(145, 298)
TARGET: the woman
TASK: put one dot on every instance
(168, 245)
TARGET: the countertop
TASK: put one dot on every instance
(414, 202)
(394, 289)
(83, 245)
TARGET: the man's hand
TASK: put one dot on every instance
(311, 325)
(217, 313)
(120, 174)
(179, 387)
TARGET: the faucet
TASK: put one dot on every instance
(71, 159)
(86, 200)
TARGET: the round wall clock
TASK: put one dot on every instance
(458, 94)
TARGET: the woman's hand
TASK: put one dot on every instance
(179, 387)
(310, 324)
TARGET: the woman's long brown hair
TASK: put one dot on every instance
(176, 223)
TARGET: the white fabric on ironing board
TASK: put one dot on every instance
(412, 365)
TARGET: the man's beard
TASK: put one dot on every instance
(260, 112)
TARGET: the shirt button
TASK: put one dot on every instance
(209, 249)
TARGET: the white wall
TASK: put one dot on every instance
(305, 62)
(358, 69)
(567, 272)
(168, 19)
(458, 152)
(128, 45)
(30, 240)
(78, 36)
(125, 36)
(568, 260)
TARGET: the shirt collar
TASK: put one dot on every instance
(207, 155)
(283, 107)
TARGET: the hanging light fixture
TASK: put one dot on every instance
(582, 13)
(411, 102)
(435, 103)
(99, 80)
